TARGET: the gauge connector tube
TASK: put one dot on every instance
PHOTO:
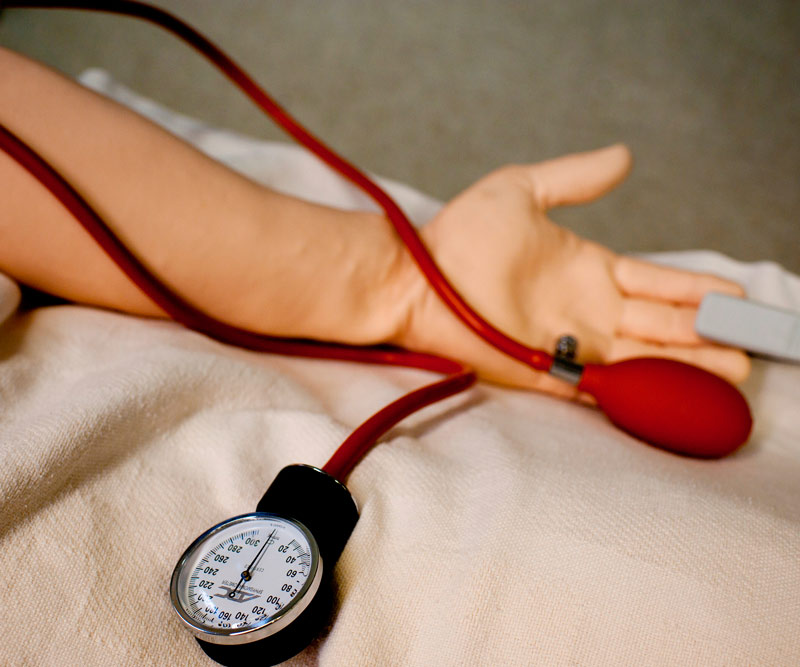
(317, 500)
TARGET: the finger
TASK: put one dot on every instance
(446, 335)
(580, 177)
(513, 373)
(658, 322)
(494, 366)
(733, 365)
(638, 278)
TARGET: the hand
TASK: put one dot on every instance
(536, 281)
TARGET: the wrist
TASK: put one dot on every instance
(388, 281)
(342, 276)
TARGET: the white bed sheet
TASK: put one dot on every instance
(499, 528)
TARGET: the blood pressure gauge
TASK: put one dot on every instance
(256, 587)
(246, 578)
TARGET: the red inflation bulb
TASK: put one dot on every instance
(670, 404)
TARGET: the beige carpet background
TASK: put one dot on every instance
(436, 94)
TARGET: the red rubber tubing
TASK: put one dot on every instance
(537, 359)
(662, 389)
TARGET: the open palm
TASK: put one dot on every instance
(536, 281)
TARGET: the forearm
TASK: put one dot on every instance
(232, 248)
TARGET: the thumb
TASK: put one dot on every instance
(580, 177)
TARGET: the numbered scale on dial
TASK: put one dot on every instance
(246, 578)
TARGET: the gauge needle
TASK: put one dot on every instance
(246, 576)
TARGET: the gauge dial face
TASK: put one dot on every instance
(246, 578)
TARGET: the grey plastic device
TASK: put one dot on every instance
(753, 326)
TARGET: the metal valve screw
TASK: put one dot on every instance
(567, 347)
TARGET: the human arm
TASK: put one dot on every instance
(307, 271)
(241, 252)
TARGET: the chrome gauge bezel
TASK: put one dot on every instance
(267, 628)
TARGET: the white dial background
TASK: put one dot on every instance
(246, 572)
